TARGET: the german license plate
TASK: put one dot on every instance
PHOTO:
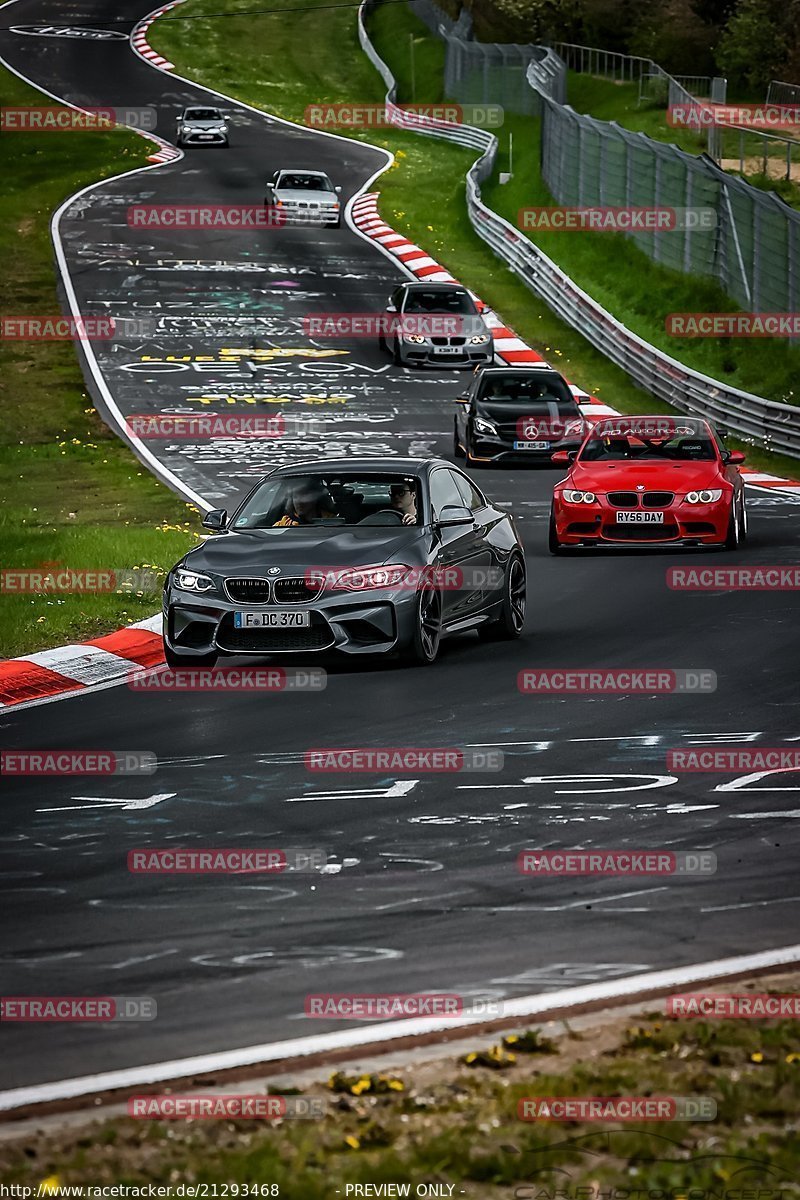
(531, 445)
(448, 349)
(271, 619)
(640, 518)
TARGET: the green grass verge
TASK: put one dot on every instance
(258, 59)
(456, 1122)
(610, 101)
(72, 493)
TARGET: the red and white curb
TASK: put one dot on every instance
(70, 669)
(518, 1010)
(142, 46)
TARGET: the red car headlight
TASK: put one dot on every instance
(573, 497)
(706, 496)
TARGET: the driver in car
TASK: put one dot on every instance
(306, 506)
(404, 501)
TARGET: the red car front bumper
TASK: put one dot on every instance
(598, 523)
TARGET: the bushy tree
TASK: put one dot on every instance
(754, 46)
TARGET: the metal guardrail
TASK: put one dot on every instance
(752, 418)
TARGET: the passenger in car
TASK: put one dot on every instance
(306, 506)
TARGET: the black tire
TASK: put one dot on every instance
(732, 541)
(511, 621)
(458, 449)
(396, 359)
(423, 648)
(553, 544)
(179, 143)
(175, 659)
(743, 522)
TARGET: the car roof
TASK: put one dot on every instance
(421, 286)
(372, 466)
(519, 368)
(201, 108)
(299, 171)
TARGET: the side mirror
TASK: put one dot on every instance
(463, 398)
(563, 458)
(390, 307)
(337, 189)
(216, 519)
(455, 514)
(734, 457)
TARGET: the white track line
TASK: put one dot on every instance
(524, 1007)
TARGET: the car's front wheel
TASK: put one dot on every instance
(175, 659)
(511, 619)
(733, 537)
(458, 449)
(423, 647)
(553, 544)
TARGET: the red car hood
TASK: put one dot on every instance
(656, 476)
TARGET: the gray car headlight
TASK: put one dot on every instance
(193, 581)
(416, 338)
(482, 426)
(479, 339)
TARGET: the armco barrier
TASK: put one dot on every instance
(752, 418)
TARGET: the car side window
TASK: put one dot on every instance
(469, 493)
(396, 298)
(444, 490)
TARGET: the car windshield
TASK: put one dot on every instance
(654, 439)
(539, 395)
(292, 501)
(305, 183)
(202, 114)
(439, 301)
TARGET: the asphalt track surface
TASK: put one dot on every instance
(422, 893)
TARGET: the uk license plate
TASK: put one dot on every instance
(640, 518)
(448, 349)
(271, 619)
(531, 445)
